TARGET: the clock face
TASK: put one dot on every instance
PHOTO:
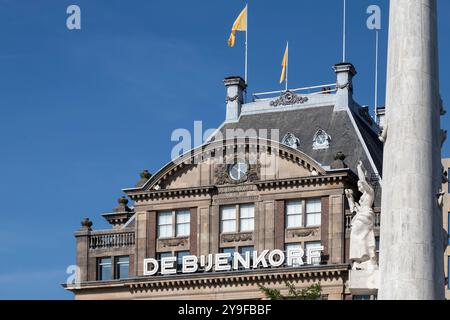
(238, 171)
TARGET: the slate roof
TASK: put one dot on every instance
(346, 129)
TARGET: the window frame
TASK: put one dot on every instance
(303, 214)
(117, 265)
(308, 214)
(238, 218)
(173, 223)
(100, 267)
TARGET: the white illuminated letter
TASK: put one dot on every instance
(313, 253)
(168, 265)
(221, 262)
(190, 264)
(280, 261)
(295, 256)
(238, 259)
(151, 267)
(260, 259)
(74, 20)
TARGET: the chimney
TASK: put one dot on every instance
(344, 95)
(235, 97)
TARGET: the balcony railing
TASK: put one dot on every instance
(349, 217)
(322, 89)
(111, 239)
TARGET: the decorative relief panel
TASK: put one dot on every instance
(173, 242)
(222, 175)
(237, 237)
(303, 233)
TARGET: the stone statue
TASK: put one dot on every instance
(383, 135)
(362, 236)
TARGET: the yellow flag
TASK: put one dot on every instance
(239, 25)
(284, 64)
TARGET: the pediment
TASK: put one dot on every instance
(209, 165)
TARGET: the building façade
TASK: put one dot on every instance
(272, 177)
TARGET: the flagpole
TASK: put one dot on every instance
(246, 50)
(287, 67)
(344, 32)
(376, 75)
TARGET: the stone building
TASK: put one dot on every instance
(446, 217)
(272, 177)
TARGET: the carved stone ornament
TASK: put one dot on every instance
(321, 140)
(348, 85)
(302, 233)
(289, 98)
(232, 99)
(222, 175)
(237, 237)
(291, 141)
(175, 242)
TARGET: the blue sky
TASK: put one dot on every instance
(83, 112)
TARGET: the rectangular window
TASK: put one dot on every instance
(181, 219)
(183, 223)
(230, 251)
(180, 256)
(243, 250)
(293, 246)
(228, 219)
(165, 226)
(104, 269)
(164, 255)
(312, 245)
(122, 267)
(313, 212)
(448, 228)
(294, 214)
(448, 272)
(247, 218)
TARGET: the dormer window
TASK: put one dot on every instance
(321, 140)
(291, 141)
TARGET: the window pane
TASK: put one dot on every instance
(104, 269)
(183, 230)
(228, 219)
(228, 226)
(294, 207)
(312, 245)
(122, 267)
(230, 251)
(294, 221)
(448, 226)
(165, 231)
(180, 256)
(247, 225)
(164, 255)
(313, 219)
(247, 211)
(313, 212)
(243, 250)
(313, 205)
(165, 218)
(228, 213)
(448, 271)
(183, 216)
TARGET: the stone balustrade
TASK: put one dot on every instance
(111, 239)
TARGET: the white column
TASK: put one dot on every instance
(411, 261)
